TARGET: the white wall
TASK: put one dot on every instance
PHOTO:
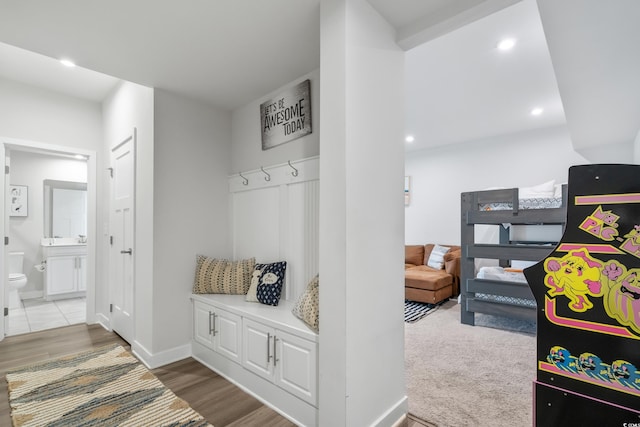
(439, 176)
(31, 169)
(35, 114)
(361, 218)
(130, 106)
(192, 155)
(609, 153)
(49, 119)
(247, 153)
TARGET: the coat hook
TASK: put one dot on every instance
(295, 171)
(245, 181)
(267, 177)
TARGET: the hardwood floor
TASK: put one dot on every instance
(216, 399)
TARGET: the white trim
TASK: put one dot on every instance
(103, 321)
(162, 358)
(307, 169)
(394, 414)
(92, 177)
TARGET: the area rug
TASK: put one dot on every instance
(105, 387)
(460, 375)
(414, 311)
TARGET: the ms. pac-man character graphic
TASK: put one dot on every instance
(592, 366)
(625, 373)
(576, 276)
(561, 357)
(622, 301)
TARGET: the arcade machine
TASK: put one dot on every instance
(588, 297)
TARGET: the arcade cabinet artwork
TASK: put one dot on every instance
(588, 296)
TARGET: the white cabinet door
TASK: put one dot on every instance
(203, 324)
(257, 348)
(227, 334)
(61, 274)
(287, 360)
(81, 273)
(296, 360)
(218, 330)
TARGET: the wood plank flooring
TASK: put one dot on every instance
(215, 398)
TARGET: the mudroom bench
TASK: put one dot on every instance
(265, 350)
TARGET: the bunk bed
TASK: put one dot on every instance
(493, 292)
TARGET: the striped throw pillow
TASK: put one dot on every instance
(221, 276)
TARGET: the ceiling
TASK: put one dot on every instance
(459, 87)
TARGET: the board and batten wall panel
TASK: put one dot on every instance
(256, 225)
(274, 212)
(300, 234)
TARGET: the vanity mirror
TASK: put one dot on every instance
(65, 208)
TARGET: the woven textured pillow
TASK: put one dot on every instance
(270, 282)
(221, 276)
(306, 307)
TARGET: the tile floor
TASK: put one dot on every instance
(38, 314)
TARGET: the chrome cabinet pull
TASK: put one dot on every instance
(128, 251)
(210, 323)
(275, 359)
(214, 325)
(268, 347)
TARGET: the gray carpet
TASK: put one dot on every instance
(461, 375)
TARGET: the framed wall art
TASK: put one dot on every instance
(19, 200)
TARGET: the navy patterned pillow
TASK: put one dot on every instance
(270, 282)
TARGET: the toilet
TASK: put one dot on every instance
(17, 279)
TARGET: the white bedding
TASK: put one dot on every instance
(499, 273)
(542, 196)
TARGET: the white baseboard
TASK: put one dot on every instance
(31, 294)
(103, 321)
(394, 414)
(162, 358)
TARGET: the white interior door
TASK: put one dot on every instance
(122, 257)
(4, 283)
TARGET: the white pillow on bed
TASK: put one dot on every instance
(540, 191)
(557, 191)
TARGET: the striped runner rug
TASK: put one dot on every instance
(414, 311)
(105, 387)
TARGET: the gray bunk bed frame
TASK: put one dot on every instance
(504, 251)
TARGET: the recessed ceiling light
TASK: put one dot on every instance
(410, 139)
(537, 111)
(506, 44)
(67, 63)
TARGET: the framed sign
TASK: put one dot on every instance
(286, 116)
(19, 195)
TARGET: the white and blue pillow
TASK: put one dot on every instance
(268, 282)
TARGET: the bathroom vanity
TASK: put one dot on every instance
(65, 274)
